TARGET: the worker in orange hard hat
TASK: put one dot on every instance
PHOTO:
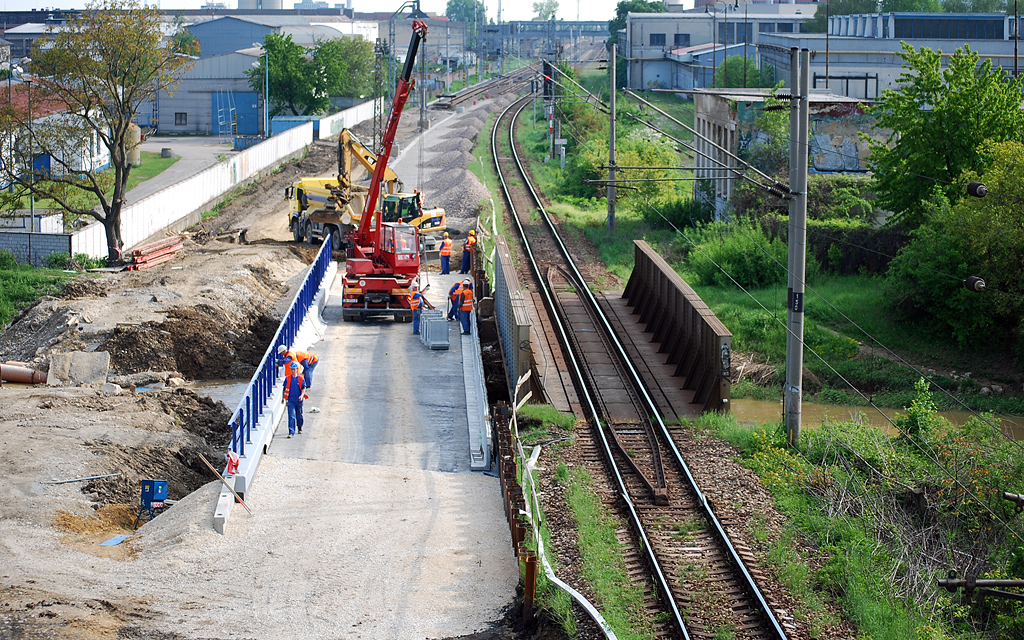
(467, 251)
(446, 254)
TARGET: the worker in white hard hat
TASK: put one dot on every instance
(467, 251)
(416, 304)
(446, 254)
(465, 304)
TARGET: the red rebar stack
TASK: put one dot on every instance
(154, 253)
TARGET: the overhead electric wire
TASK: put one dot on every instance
(927, 452)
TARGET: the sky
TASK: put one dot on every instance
(603, 10)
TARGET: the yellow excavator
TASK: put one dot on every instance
(333, 205)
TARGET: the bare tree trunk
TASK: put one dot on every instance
(112, 227)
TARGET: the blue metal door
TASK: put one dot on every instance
(240, 108)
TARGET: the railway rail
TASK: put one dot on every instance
(693, 574)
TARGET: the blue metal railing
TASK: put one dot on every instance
(252, 405)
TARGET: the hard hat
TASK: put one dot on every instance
(466, 281)
(415, 286)
(472, 233)
(446, 234)
(281, 348)
(294, 365)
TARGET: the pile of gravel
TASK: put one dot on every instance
(459, 192)
(453, 144)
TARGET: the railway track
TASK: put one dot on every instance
(511, 82)
(697, 583)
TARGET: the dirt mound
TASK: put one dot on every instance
(230, 347)
(84, 288)
(453, 144)
(40, 324)
(459, 192)
(206, 432)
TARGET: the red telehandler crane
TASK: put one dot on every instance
(383, 258)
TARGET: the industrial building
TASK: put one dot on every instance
(861, 55)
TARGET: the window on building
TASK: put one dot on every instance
(682, 40)
(180, 119)
(657, 39)
(784, 27)
(766, 27)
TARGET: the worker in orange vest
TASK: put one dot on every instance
(465, 304)
(294, 394)
(307, 359)
(416, 304)
(446, 254)
(453, 301)
(467, 251)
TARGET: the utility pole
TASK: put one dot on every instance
(447, 59)
(501, 43)
(1016, 31)
(828, 28)
(800, 63)
(611, 145)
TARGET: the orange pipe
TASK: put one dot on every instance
(22, 375)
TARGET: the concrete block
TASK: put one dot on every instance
(111, 388)
(78, 367)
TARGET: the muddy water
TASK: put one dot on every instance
(230, 392)
(766, 411)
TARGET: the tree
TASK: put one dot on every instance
(302, 81)
(977, 6)
(98, 70)
(817, 24)
(970, 238)
(919, 6)
(733, 67)
(938, 119)
(545, 9)
(618, 23)
(767, 144)
(464, 10)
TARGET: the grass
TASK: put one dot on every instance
(542, 422)
(22, 285)
(152, 165)
(887, 382)
(856, 567)
(621, 602)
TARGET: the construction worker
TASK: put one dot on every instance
(294, 394)
(466, 304)
(307, 359)
(416, 304)
(467, 251)
(453, 301)
(446, 254)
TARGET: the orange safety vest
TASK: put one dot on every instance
(467, 299)
(288, 385)
(446, 247)
(470, 241)
(456, 292)
(415, 301)
(303, 357)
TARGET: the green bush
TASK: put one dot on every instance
(7, 260)
(679, 212)
(80, 262)
(744, 252)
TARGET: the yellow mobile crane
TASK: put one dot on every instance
(333, 205)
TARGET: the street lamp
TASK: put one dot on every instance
(31, 163)
(714, 43)
(266, 88)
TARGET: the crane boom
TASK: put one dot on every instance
(367, 234)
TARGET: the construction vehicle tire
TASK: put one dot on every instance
(297, 230)
(336, 241)
(307, 231)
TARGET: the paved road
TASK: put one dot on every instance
(196, 153)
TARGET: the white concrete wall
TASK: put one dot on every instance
(332, 125)
(162, 209)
